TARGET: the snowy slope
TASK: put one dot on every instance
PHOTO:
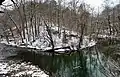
(42, 41)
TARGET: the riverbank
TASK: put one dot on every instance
(19, 69)
(61, 39)
(13, 67)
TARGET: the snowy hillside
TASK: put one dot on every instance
(63, 38)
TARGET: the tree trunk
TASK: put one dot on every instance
(49, 34)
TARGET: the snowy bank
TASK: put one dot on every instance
(61, 39)
(19, 69)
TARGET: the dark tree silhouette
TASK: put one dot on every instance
(1, 12)
(1, 1)
(13, 1)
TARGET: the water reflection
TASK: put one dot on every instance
(79, 64)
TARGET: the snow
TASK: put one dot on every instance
(47, 48)
(4, 41)
(106, 36)
(39, 74)
(61, 50)
(42, 41)
(2, 68)
(21, 69)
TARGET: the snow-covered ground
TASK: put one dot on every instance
(13, 69)
(42, 40)
(106, 36)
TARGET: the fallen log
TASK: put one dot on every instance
(56, 51)
(53, 50)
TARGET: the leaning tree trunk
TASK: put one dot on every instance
(19, 32)
(49, 34)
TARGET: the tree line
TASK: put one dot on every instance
(26, 17)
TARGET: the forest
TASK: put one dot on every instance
(64, 27)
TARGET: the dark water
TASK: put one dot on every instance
(61, 65)
(78, 64)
